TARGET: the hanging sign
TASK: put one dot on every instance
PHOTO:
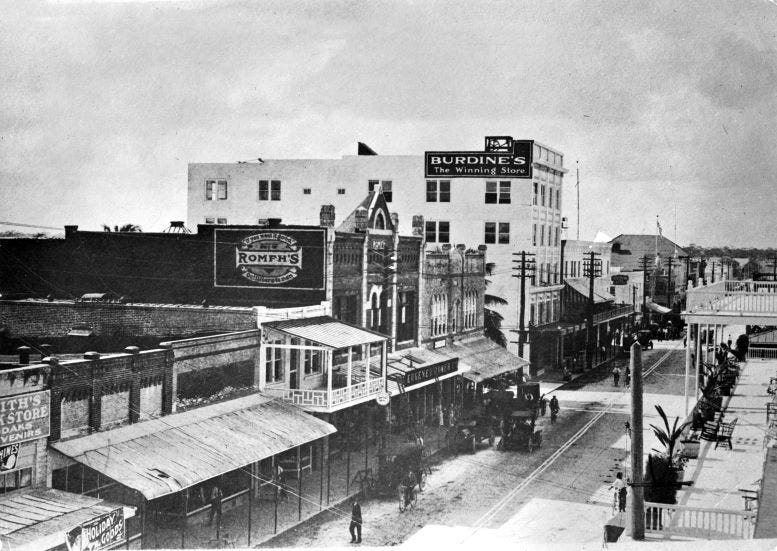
(383, 398)
(99, 533)
(9, 455)
(428, 372)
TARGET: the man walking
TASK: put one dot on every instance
(356, 522)
(616, 375)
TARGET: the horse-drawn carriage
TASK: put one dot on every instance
(401, 469)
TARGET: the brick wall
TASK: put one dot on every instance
(150, 402)
(75, 417)
(40, 319)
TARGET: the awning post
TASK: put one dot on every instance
(185, 508)
(299, 482)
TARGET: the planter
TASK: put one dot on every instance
(691, 448)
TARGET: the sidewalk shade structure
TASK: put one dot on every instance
(42, 519)
(488, 359)
(164, 457)
(424, 385)
(321, 364)
(657, 308)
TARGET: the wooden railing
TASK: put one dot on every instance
(755, 352)
(323, 399)
(614, 313)
(734, 296)
(692, 522)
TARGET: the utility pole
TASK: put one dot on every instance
(713, 273)
(644, 262)
(525, 269)
(591, 269)
(670, 262)
(637, 488)
(577, 187)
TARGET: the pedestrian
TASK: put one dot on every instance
(440, 416)
(356, 522)
(215, 505)
(543, 405)
(620, 492)
(616, 375)
(554, 409)
(280, 479)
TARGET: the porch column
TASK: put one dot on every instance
(687, 365)
(697, 347)
(328, 364)
(383, 360)
(349, 372)
(367, 373)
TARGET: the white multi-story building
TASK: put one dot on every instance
(505, 213)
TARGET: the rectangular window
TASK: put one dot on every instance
(312, 360)
(491, 194)
(305, 191)
(536, 193)
(437, 232)
(557, 232)
(222, 221)
(438, 191)
(490, 236)
(504, 233)
(504, 192)
(270, 190)
(542, 195)
(341, 191)
(542, 235)
(534, 235)
(386, 188)
(210, 220)
(215, 189)
(550, 197)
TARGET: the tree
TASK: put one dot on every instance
(125, 228)
(492, 320)
(668, 435)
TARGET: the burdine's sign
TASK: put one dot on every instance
(481, 164)
(270, 258)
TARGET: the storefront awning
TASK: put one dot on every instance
(326, 331)
(414, 368)
(487, 359)
(653, 307)
(31, 520)
(169, 454)
(581, 286)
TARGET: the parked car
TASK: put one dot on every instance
(645, 338)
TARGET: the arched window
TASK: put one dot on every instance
(380, 221)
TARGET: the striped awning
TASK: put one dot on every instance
(166, 455)
(326, 331)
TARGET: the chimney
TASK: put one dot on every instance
(70, 230)
(24, 355)
(418, 225)
(361, 219)
(327, 216)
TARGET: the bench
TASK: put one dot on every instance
(709, 431)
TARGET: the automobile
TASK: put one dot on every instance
(645, 339)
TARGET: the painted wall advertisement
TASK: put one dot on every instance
(481, 164)
(24, 417)
(99, 533)
(270, 258)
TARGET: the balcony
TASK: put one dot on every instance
(747, 302)
(325, 400)
(614, 313)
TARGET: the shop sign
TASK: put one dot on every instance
(620, 279)
(9, 455)
(99, 533)
(480, 164)
(429, 372)
(24, 417)
(282, 259)
(383, 398)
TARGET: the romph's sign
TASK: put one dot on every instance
(277, 259)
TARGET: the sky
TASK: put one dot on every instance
(670, 108)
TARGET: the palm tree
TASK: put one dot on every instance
(668, 435)
(125, 228)
(492, 320)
